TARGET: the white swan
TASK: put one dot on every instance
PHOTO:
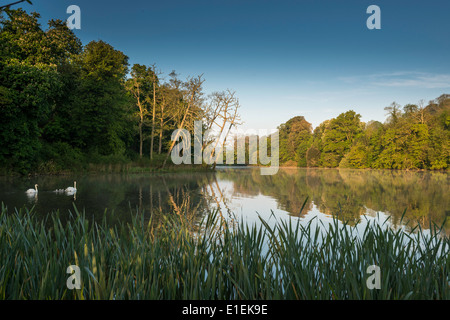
(32, 191)
(72, 189)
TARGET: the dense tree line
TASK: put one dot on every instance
(63, 104)
(413, 137)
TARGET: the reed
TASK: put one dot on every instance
(214, 259)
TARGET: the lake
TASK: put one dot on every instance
(241, 192)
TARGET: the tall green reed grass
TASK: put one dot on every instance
(212, 259)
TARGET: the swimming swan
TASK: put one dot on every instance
(72, 189)
(32, 191)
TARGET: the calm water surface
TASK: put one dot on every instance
(351, 195)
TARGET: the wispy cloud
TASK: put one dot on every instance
(409, 79)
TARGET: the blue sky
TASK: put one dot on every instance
(314, 58)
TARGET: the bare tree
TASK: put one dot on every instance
(192, 99)
(417, 112)
(155, 82)
(421, 115)
(170, 103)
(221, 115)
(162, 115)
(394, 112)
(17, 2)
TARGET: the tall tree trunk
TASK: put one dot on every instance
(141, 140)
(176, 137)
(161, 123)
(154, 113)
(160, 137)
(141, 122)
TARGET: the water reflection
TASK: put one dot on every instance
(348, 194)
(123, 194)
(32, 198)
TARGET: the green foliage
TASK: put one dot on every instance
(439, 137)
(418, 138)
(58, 96)
(142, 89)
(294, 140)
(100, 113)
(27, 95)
(216, 260)
(312, 156)
(356, 158)
(338, 138)
(31, 84)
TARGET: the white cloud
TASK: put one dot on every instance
(410, 79)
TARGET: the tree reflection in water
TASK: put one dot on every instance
(347, 194)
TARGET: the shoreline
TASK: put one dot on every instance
(337, 168)
(133, 167)
(114, 168)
